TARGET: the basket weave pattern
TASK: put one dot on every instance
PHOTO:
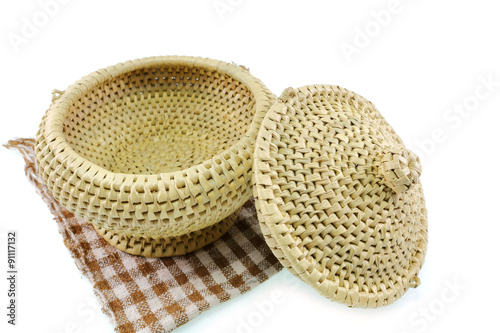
(338, 196)
(155, 148)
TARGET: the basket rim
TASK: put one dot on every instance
(79, 164)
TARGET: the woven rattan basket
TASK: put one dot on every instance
(156, 153)
(339, 197)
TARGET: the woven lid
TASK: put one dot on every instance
(339, 197)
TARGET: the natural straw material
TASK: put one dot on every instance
(154, 152)
(153, 295)
(339, 198)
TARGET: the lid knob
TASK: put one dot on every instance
(400, 169)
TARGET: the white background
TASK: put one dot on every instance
(419, 65)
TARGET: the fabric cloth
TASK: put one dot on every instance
(158, 295)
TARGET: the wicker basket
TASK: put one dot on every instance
(156, 153)
(339, 197)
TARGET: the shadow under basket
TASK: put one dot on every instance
(157, 152)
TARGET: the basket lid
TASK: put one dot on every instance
(339, 197)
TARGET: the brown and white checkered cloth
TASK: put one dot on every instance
(157, 295)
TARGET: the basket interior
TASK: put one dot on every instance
(156, 120)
